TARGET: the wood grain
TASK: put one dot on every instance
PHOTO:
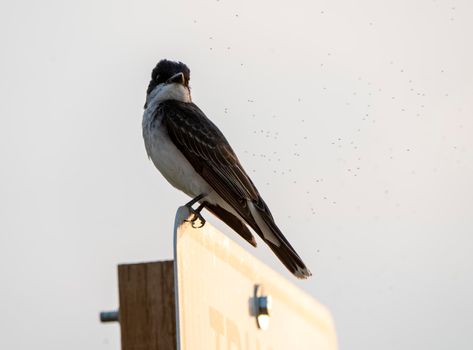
(147, 306)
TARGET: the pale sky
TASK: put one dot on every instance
(355, 120)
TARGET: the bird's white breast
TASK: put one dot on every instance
(166, 156)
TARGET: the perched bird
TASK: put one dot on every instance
(194, 156)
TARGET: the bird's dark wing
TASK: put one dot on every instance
(231, 220)
(205, 147)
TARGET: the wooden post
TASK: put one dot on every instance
(147, 306)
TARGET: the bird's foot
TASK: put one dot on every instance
(197, 220)
(196, 215)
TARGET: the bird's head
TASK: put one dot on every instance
(169, 80)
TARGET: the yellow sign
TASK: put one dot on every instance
(221, 289)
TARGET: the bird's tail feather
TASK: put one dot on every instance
(291, 260)
(273, 237)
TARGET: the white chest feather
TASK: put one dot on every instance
(165, 155)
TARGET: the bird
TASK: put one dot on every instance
(194, 156)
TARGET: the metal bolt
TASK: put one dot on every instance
(263, 305)
(109, 316)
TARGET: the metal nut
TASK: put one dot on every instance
(262, 306)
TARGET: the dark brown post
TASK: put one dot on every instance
(147, 306)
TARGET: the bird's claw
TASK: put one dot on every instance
(201, 220)
(196, 216)
(196, 212)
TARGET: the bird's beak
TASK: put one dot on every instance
(176, 78)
